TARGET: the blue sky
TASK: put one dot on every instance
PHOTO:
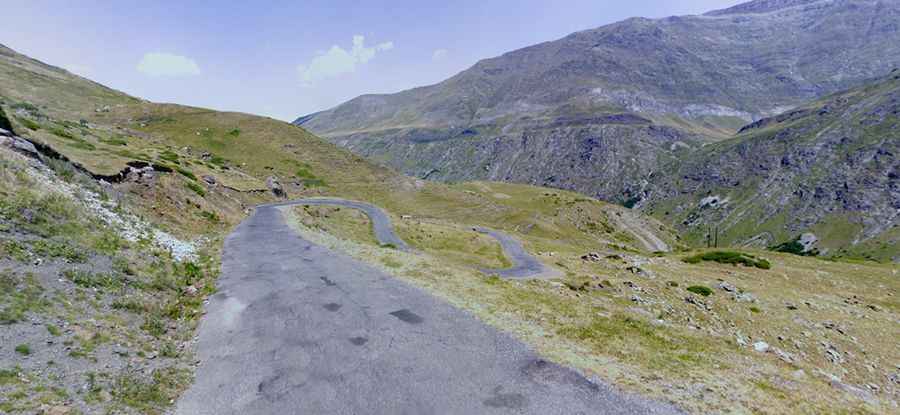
(287, 59)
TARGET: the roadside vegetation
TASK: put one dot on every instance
(683, 331)
(74, 294)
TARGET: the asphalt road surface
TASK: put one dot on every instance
(298, 329)
(524, 264)
(381, 222)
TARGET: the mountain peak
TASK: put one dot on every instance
(761, 6)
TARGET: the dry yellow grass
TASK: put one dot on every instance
(629, 319)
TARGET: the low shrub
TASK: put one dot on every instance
(23, 349)
(794, 247)
(729, 257)
(89, 279)
(700, 290)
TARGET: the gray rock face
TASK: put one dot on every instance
(18, 144)
(808, 241)
(275, 186)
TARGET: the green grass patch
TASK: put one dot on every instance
(114, 141)
(109, 242)
(793, 247)
(210, 216)
(53, 249)
(23, 349)
(150, 395)
(186, 173)
(391, 263)
(729, 257)
(29, 124)
(19, 295)
(154, 324)
(169, 156)
(53, 330)
(27, 107)
(313, 183)
(82, 145)
(235, 132)
(129, 304)
(13, 250)
(217, 160)
(89, 279)
(306, 176)
(62, 133)
(196, 188)
(8, 376)
(700, 290)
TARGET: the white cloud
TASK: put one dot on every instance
(77, 69)
(439, 55)
(337, 61)
(160, 64)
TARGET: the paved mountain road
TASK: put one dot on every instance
(381, 222)
(298, 329)
(524, 265)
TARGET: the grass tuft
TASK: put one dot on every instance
(23, 349)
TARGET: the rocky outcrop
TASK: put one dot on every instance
(275, 187)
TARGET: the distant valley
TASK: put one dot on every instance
(608, 111)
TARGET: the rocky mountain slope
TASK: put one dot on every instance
(746, 62)
(831, 167)
(603, 110)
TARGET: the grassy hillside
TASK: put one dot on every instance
(616, 310)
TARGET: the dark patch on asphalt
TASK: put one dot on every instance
(407, 316)
(544, 372)
(332, 307)
(506, 400)
(358, 341)
(328, 282)
(271, 387)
